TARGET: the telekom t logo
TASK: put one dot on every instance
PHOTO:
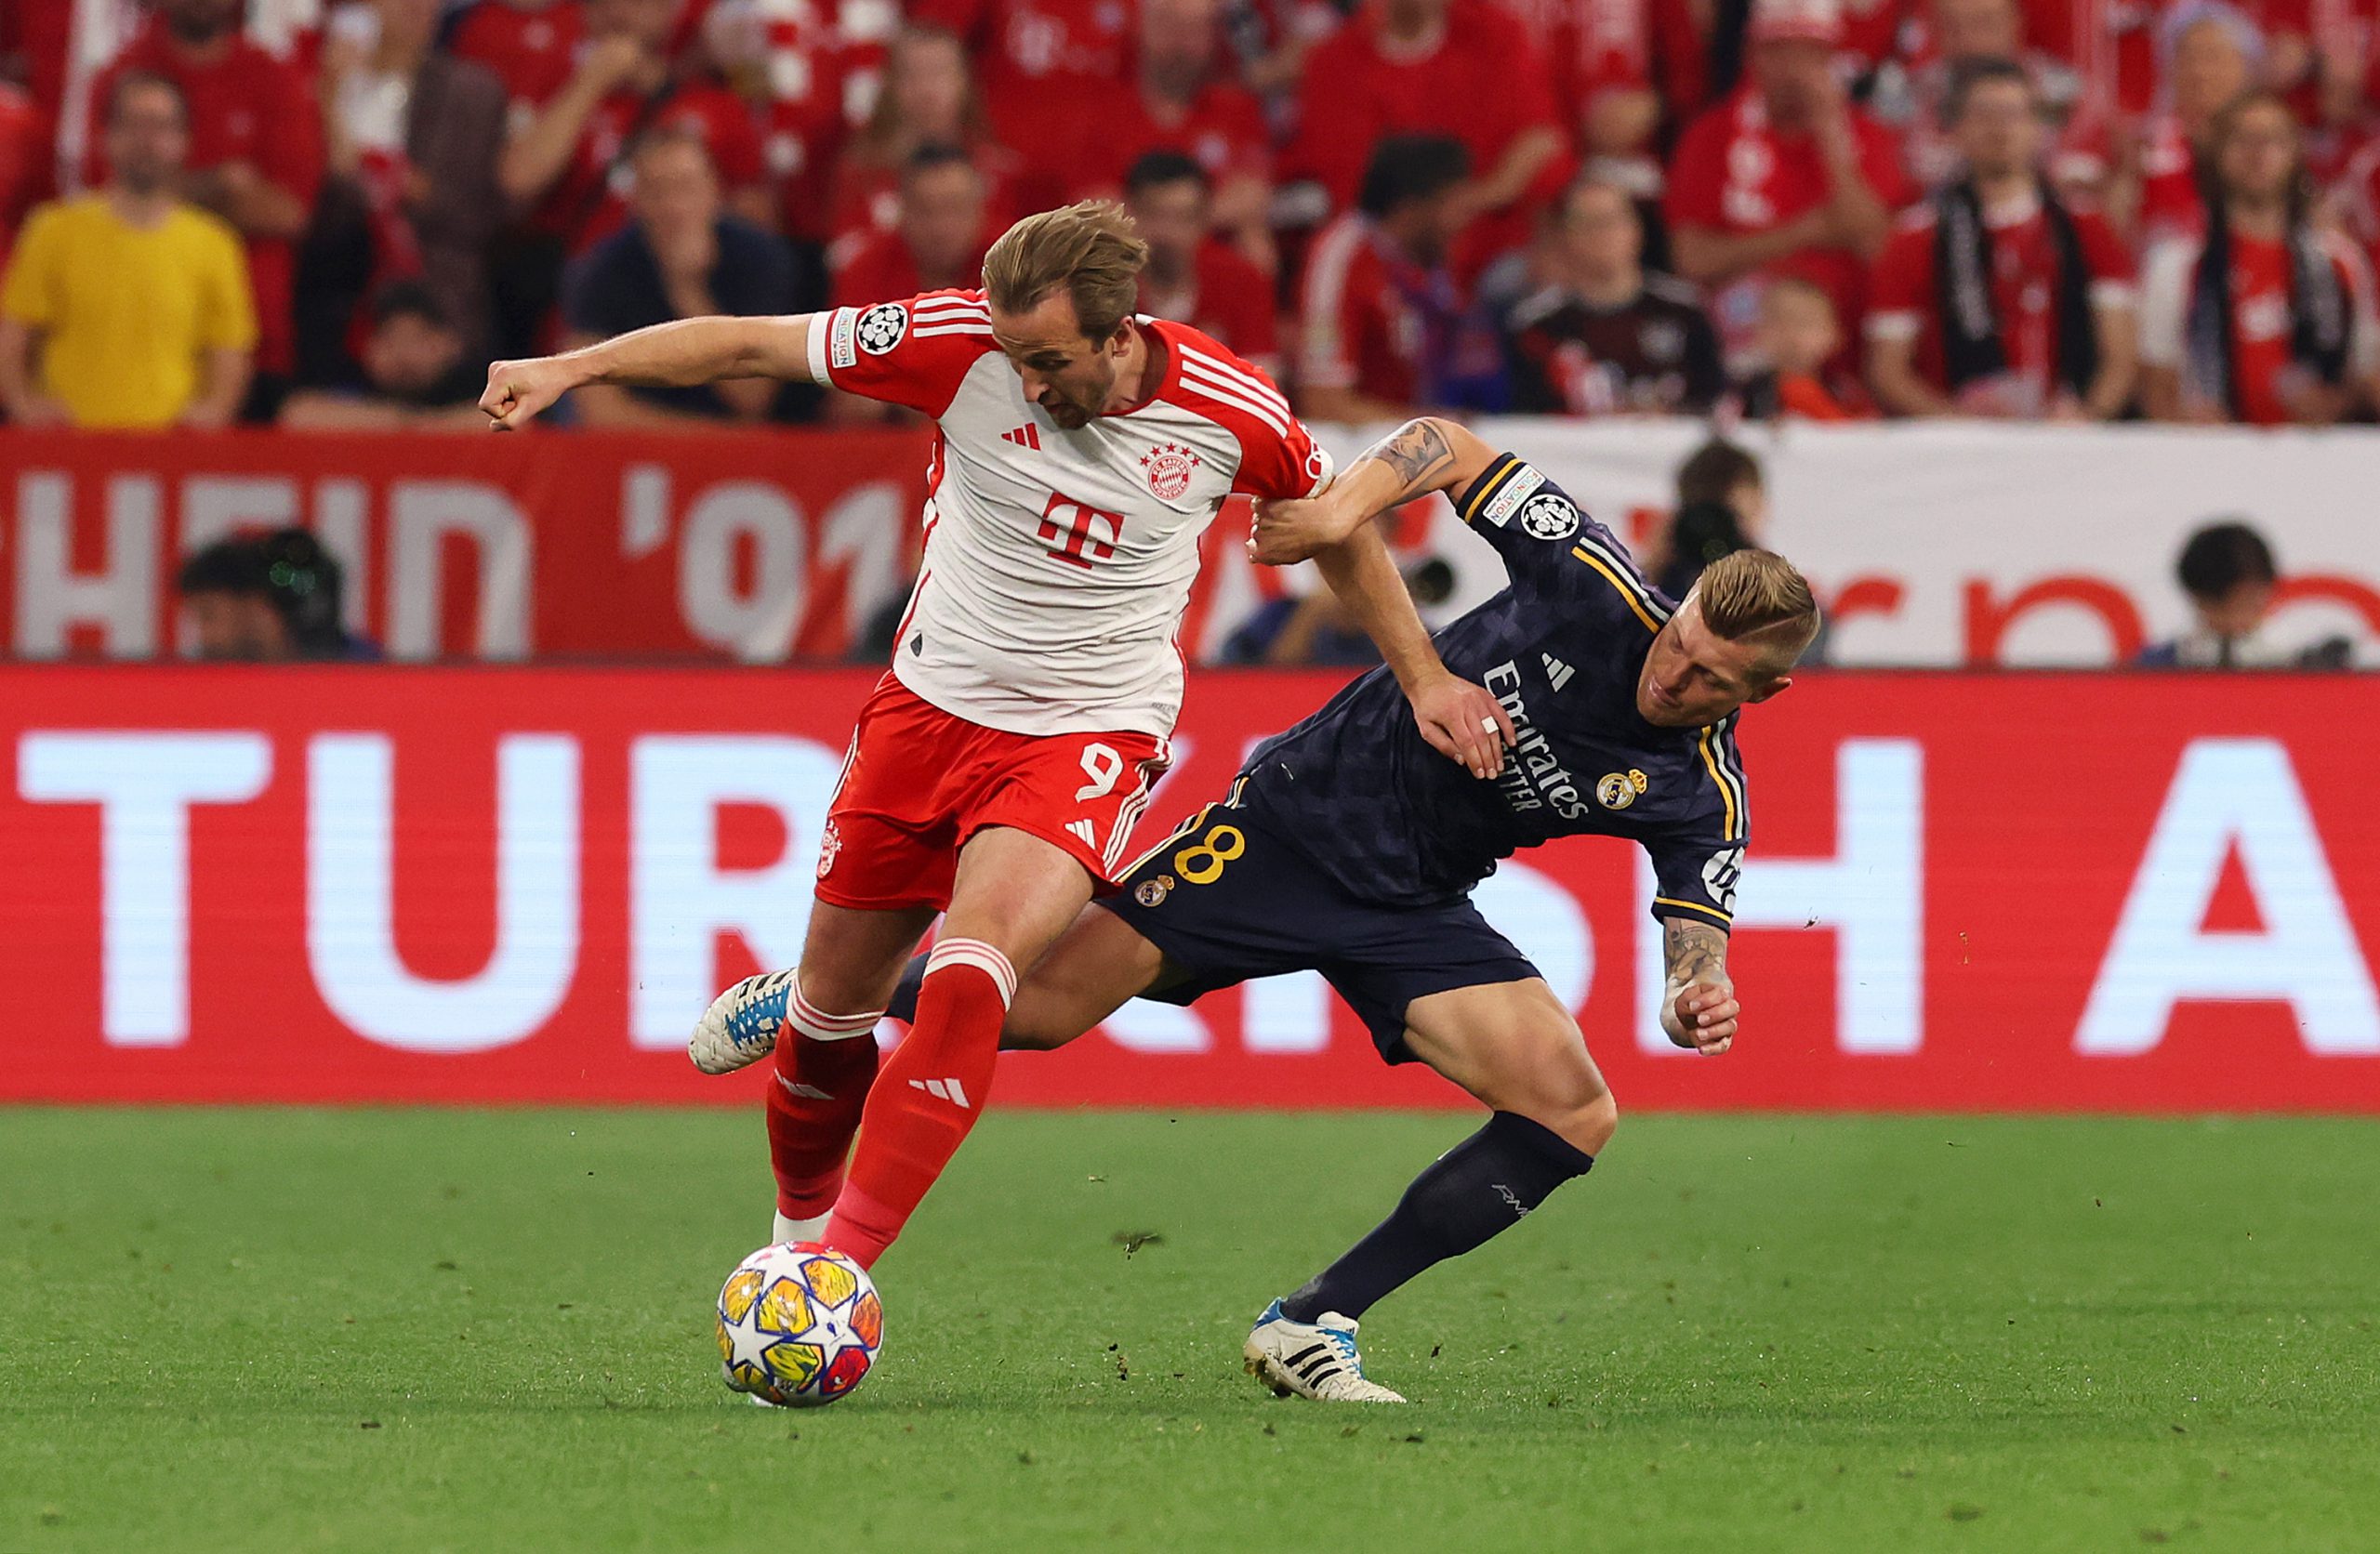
(1078, 534)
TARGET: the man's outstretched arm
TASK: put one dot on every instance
(1426, 453)
(1698, 1006)
(676, 355)
(1459, 720)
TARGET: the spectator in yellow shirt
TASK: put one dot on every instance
(127, 308)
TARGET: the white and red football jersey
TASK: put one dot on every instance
(1057, 563)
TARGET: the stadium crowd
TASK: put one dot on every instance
(336, 214)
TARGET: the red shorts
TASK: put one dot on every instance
(920, 783)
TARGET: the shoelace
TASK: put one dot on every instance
(1344, 1343)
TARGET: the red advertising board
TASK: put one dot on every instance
(394, 884)
(751, 545)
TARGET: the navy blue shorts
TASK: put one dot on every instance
(1228, 901)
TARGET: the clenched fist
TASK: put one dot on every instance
(517, 392)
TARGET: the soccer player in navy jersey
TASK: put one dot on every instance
(1347, 845)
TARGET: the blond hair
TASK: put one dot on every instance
(1089, 249)
(1757, 595)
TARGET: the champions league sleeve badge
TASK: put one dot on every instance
(883, 327)
(1549, 517)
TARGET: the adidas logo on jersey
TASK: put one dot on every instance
(1082, 828)
(949, 1089)
(1025, 436)
(1556, 671)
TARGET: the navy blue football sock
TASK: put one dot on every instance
(1476, 1189)
(904, 1007)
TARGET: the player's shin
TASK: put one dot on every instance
(1475, 1189)
(824, 1064)
(932, 1089)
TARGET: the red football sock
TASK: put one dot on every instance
(824, 1064)
(933, 1091)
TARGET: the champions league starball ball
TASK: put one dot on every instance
(799, 1324)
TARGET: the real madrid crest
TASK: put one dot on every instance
(1619, 789)
(1168, 467)
(1151, 891)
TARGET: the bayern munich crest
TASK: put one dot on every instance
(828, 846)
(1168, 467)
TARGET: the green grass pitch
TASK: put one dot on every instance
(490, 1331)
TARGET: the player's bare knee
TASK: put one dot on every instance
(1589, 1127)
(1570, 1098)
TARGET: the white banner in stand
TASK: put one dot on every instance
(1966, 543)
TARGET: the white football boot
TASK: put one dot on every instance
(740, 1028)
(1310, 1358)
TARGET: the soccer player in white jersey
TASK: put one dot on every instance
(998, 770)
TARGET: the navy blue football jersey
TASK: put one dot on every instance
(1358, 790)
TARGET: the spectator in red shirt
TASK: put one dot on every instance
(2080, 159)
(1784, 177)
(1993, 298)
(2212, 54)
(2267, 319)
(1178, 99)
(1387, 335)
(1457, 68)
(929, 98)
(255, 152)
(531, 44)
(1192, 277)
(573, 155)
(1600, 55)
(936, 243)
(1035, 54)
(804, 75)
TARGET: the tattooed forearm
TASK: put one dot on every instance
(1415, 451)
(1694, 950)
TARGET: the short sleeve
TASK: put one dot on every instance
(28, 296)
(1694, 869)
(914, 353)
(1556, 554)
(1276, 465)
(1698, 858)
(1902, 290)
(229, 319)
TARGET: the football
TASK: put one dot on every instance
(799, 1324)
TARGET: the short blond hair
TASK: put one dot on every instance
(1757, 595)
(1089, 249)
